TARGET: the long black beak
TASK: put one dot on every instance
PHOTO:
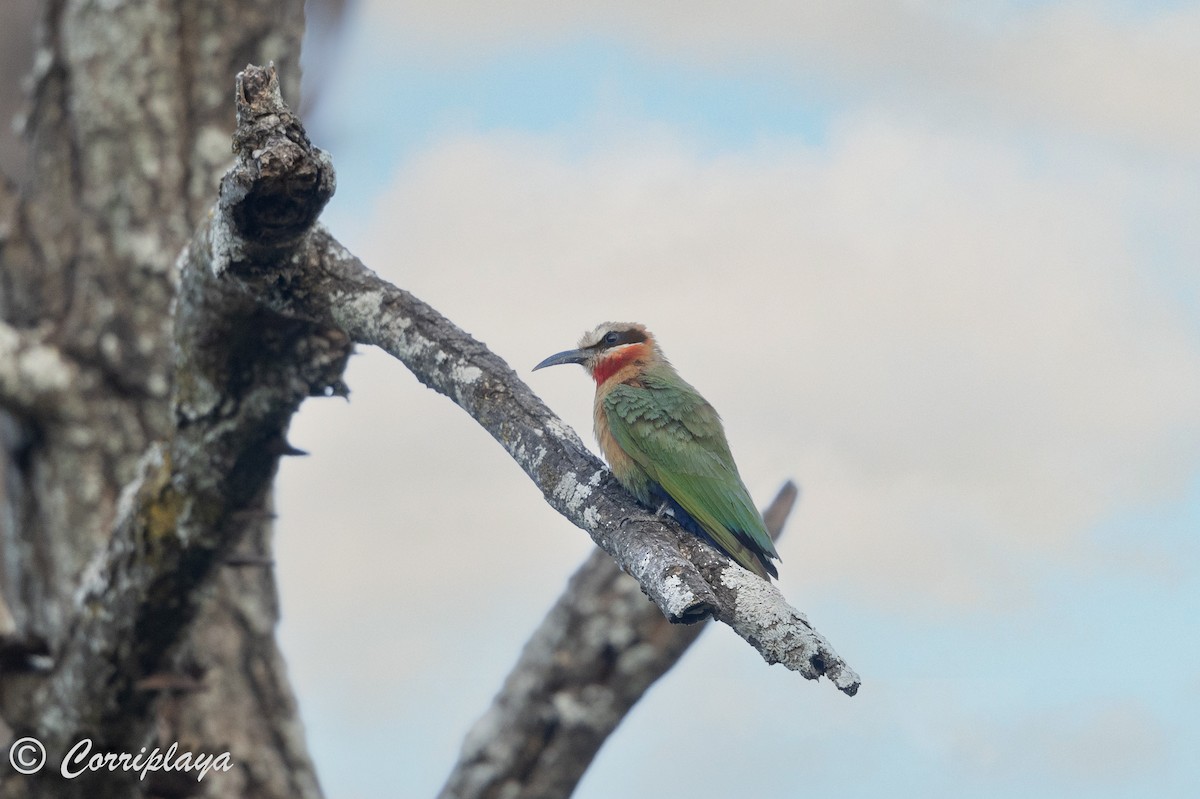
(569, 356)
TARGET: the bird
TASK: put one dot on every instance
(665, 443)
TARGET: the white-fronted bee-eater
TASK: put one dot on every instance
(665, 443)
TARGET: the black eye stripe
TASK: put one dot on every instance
(632, 336)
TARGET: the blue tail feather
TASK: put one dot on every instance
(660, 498)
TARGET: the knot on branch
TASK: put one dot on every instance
(280, 182)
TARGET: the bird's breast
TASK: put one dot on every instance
(628, 472)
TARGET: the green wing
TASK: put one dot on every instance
(676, 436)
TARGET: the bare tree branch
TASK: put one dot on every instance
(598, 650)
(325, 284)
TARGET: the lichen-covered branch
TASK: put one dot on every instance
(689, 581)
(598, 650)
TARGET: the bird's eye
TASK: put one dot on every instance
(612, 338)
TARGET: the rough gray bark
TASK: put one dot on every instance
(127, 129)
(598, 650)
(16, 54)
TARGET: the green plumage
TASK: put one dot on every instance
(676, 442)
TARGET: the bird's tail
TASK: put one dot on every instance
(745, 556)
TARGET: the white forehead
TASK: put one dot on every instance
(592, 337)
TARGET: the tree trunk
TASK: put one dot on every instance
(128, 131)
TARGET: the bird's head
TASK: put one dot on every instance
(609, 349)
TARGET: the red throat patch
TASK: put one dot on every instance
(617, 360)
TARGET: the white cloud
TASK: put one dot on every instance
(409, 542)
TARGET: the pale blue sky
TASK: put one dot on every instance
(959, 244)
